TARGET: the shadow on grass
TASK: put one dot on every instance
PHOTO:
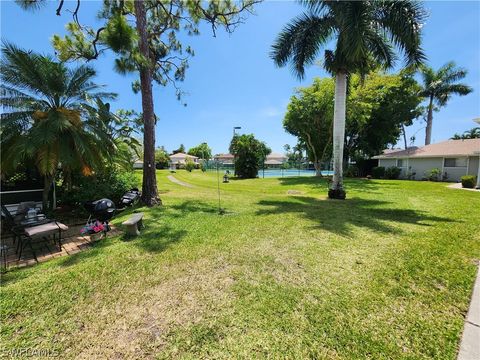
(337, 216)
(159, 234)
(357, 185)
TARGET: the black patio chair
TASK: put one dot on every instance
(27, 232)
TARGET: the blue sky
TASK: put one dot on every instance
(232, 81)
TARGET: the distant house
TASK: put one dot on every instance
(138, 164)
(275, 159)
(180, 159)
(225, 159)
(454, 159)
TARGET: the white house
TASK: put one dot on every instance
(181, 159)
(454, 158)
(225, 159)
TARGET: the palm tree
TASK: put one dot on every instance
(365, 33)
(473, 133)
(438, 87)
(44, 118)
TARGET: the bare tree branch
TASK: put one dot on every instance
(59, 9)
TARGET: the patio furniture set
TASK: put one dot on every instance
(28, 225)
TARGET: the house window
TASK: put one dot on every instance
(399, 163)
(455, 162)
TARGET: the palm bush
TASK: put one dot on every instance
(45, 119)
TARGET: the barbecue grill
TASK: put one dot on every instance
(129, 198)
(100, 212)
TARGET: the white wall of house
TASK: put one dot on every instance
(422, 166)
(473, 164)
(387, 162)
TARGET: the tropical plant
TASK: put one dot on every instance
(365, 34)
(110, 182)
(46, 118)
(122, 127)
(469, 134)
(438, 87)
(249, 154)
(143, 35)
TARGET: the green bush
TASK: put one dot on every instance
(434, 174)
(189, 166)
(110, 184)
(392, 172)
(378, 172)
(352, 171)
(469, 181)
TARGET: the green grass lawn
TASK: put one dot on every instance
(387, 273)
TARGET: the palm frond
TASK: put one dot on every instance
(31, 5)
(301, 40)
(403, 21)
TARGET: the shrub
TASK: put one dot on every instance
(189, 166)
(110, 184)
(249, 155)
(469, 181)
(392, 172)
(434, 174)
(352, 171)
(378, 172)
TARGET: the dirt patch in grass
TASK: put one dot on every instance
(139, 328)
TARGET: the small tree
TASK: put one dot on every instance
(181, 149)
(202, 151)
(189, 165)
(309, 117)
(161, 158)
(249, 153)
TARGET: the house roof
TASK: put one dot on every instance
(465, 147)
(276, 156)
(182, 156)
(273, 162)
(224, 156)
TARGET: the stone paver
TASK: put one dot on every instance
(72, 243)
(470, 344)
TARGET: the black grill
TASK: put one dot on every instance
(102, 210)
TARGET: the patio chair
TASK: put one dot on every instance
(27, 233)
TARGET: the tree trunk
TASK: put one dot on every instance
(404, 136)
(149, 185)
(428, 131)
(318, 168)
(47, 183)
(336, 189)
(316, 161)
